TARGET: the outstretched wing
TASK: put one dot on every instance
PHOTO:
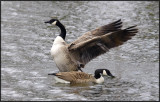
(87, 50)
(100, 31)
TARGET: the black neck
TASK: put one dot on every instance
(63, 30)
(97, 75)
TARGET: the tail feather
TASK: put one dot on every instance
(52, 74)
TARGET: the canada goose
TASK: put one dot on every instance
(81, 77)
(73, 56)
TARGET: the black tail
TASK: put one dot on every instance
(52, 74)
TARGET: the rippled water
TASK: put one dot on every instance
(26, 43)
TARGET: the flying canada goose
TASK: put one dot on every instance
(73, 77)
(74, 56)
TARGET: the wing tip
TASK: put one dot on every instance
(117, 22)
(132, 29)
(114, 26)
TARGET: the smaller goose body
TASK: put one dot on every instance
(81, 77)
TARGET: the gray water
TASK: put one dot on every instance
(26, 42)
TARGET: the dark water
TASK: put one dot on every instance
(26, 42)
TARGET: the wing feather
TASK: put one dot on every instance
(115, 26)
(91, 48)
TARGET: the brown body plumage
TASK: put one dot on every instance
(74, 77)
(71, 57)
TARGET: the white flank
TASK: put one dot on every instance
(58, 80)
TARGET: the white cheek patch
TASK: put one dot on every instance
(104, 72)
(54, 23)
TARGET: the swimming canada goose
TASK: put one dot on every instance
(73, 56)
(81, 77)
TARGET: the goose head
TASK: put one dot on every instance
(53, 21)
(60, 25)
(99, 73)
(102, 72)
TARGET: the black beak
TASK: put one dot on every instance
(109, 73)
(47, 22)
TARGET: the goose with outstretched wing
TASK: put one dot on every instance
(74, 56)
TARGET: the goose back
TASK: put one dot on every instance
(76, 77)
